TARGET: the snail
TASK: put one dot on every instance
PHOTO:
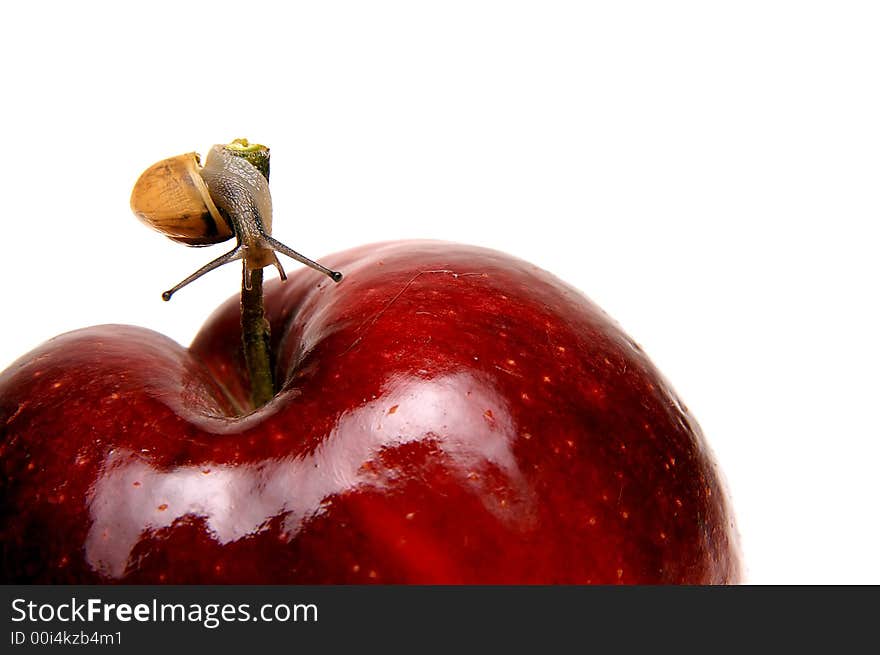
(200, 206)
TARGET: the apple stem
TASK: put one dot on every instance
(254, 326)
(255, 339)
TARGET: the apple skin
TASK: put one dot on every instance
(448, 414)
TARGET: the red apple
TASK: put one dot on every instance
(447, 414)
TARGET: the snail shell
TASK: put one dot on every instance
(171, 197)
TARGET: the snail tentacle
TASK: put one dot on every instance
(231, 256)
(280, 268)
(302, 259)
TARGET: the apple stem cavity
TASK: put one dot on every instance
(254, 326)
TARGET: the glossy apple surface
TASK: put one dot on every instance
(448, 414)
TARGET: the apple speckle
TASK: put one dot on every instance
(624, 515)
(392, 409)
(409, 516)
(560, 348)
(31, 466)
(372, 574)
(489, 416)
(592, 520)
(18, 411)
(524, 396)
(356, 568)
(619, 574)
(162, 507)
(135, 484)
(662, 536)
(546, 379)
(57, 385)
(526, 435)
(678, 502)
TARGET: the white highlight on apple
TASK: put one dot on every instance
(237, 501)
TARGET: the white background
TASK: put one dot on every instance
(708, 172)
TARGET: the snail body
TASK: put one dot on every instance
(200, 206)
